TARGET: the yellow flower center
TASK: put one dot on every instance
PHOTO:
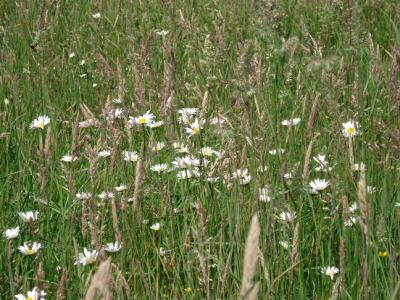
(329, 273)
(350, 130)
(158, 148)
(133, 158)
(196, 129)
(159, 169)
(188, 289)
(29, 298)
(30, 251)
(40, 124)
(141, 120)
(207, 153)
(186, 120)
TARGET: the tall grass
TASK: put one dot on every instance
(250, 64)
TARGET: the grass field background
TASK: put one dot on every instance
(247, 66)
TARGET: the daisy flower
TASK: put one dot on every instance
(240, 173)
(358, 167)
(284, 244)
(159, 168)
(288, 175)
(40, 122)
(26, 250)
(323, 164)
(184, 119)
(163, 251)
(110, 247)
(162, 32)
(287, 216)
(319, 184)
(72, 55)
(294, 122)
(69, 158)
(121, 188)
(194, 128)
(208, 151)
(245, 180)
(350, 128)
(275, 151)
(87, 257)
(263, 195)
(330, 271)
(188, 111)
(185, 174)
(156, 226)
(28, 216)
(11, 233)
(352, 209)
(115, 113)
(83, 196)
(104, 153)
(35, 294)
(96, 15)
(144, 119)
(106, 195)
(351, 221)
(130, 156)
(371, 189)
(159, 146)
(154, 124)
(89, 123)
(212, 179)
(82, 62)
(182, 162)
(195, 173)
(217, 121)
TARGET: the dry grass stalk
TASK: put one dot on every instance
(264, 266)
(61, 284)
(86, 111)
(250, 259)
(351, 151)
(253, 294)
(204, 271)
(226, 271)
(100, 282)
(77, 256)
(39, 275)
(294, 254)
(139, 92)
(146, 47)
(138, 177)
(115, 217)
(311, 119)
(93, 161)
(362, 202)
(336, 288)
(121, 280)
(121, 80)
(75, 135)
(219, 38)
(365, 279)
(204, 105)
(394, 84)
(100, 59)
(83, 219)
(308, 158)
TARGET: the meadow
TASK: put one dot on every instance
(203, 149)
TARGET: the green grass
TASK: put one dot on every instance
(254, 64)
